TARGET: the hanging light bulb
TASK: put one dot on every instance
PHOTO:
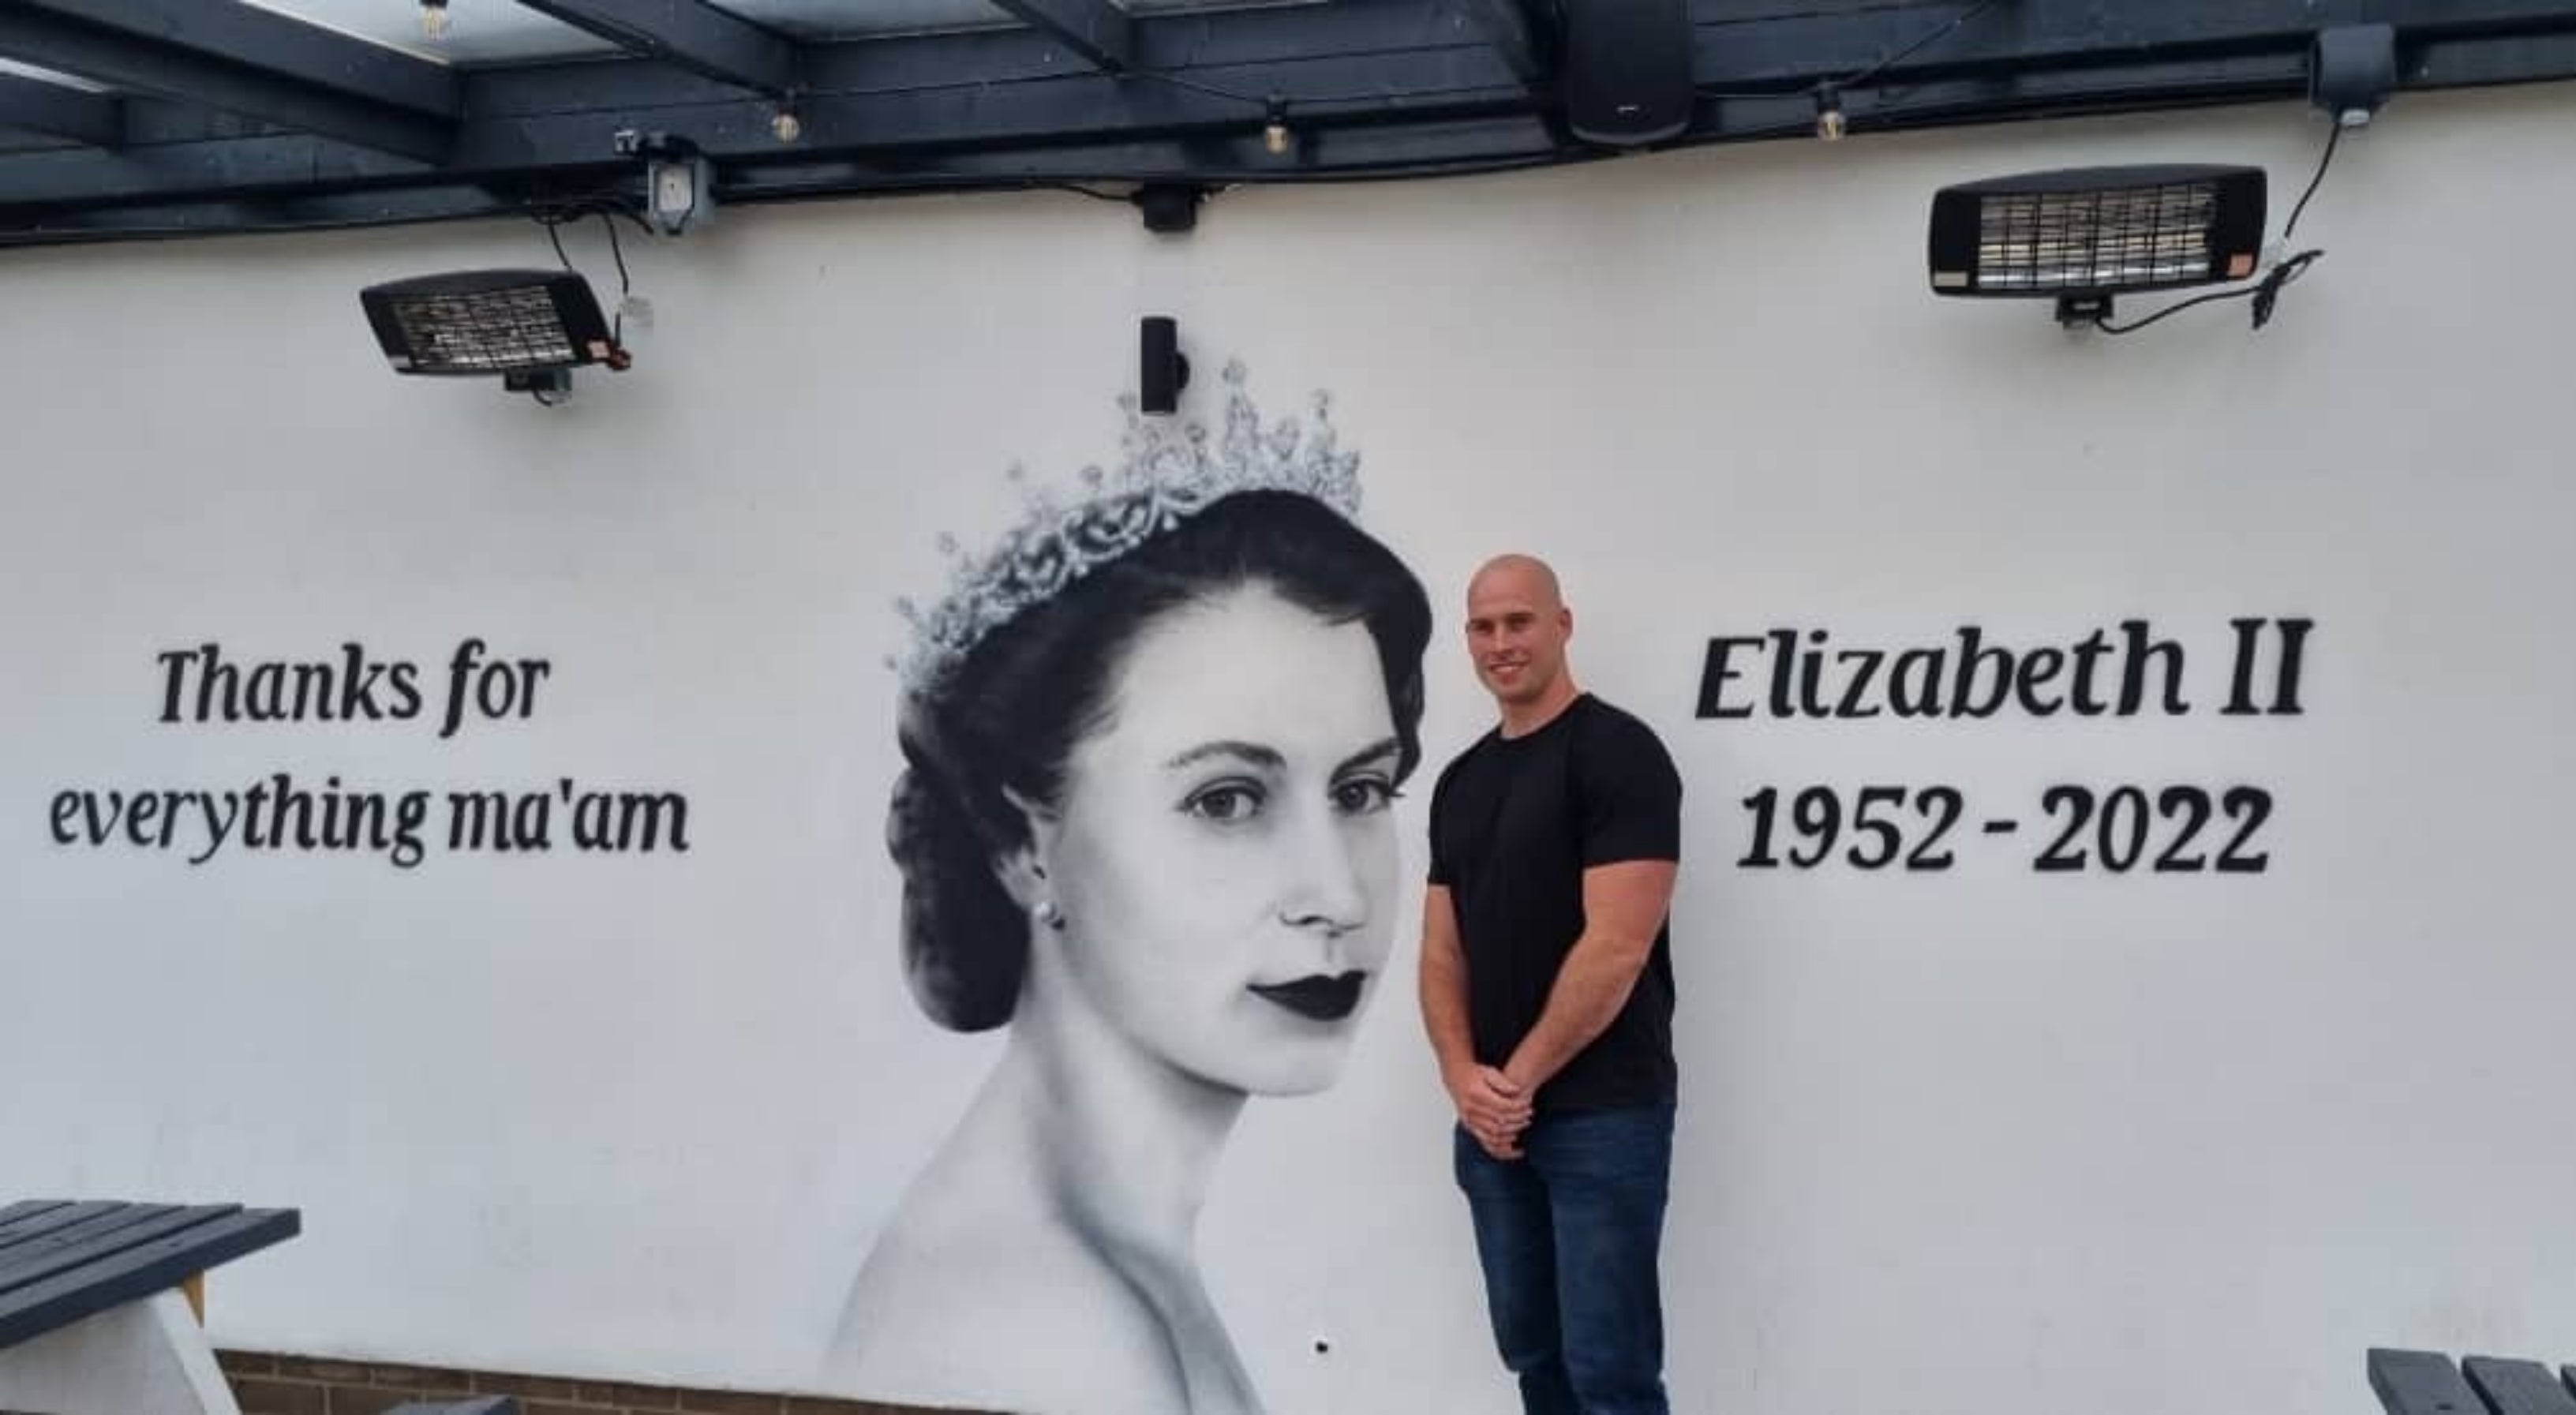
(1830, 124)
(433, 19)
(785, 125)
(1274, 136)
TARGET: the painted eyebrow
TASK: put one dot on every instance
(1252, 752)
(1262, 756)
(1387, 748)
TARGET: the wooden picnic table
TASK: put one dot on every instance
(102, 1303)
(2426, 1383)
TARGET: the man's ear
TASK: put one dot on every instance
(1023, 870)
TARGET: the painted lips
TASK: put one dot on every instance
(1319, 996)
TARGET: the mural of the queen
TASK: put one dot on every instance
(1151, 744)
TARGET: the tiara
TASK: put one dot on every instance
(1166, 478)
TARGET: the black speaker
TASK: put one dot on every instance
(1627, 70)
(2351, 71)
(1165, 371)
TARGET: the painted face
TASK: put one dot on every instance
(1516, 633)
(1225, 858)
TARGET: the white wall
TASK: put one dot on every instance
(1986, 1139)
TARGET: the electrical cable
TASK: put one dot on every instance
(625, 286)
(1266, 100)
(2323, 163)
(1873, 71)
(2266, 294)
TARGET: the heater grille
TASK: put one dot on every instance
(489, 331)
(2117, 239)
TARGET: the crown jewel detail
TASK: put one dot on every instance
(1166, 478)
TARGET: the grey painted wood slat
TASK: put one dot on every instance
(157, 1266)
(52, 1220)
(22, 1210)
(2517, 1387)
(102, 1238)
(61, 1235)
(2421, 1383)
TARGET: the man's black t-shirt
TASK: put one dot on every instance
(1514, 823)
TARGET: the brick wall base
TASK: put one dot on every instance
(268, 1384)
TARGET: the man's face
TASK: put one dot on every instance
(1516, 632)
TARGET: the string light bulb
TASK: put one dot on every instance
(1274, 135)
(433, 19)
(1830, 123)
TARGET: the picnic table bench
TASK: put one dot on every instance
(2426, 1383)
(102, 1304)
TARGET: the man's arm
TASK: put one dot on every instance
(1444, 984)
(1623, 909)
(1493, 1108)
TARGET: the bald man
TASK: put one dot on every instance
(1547, 988)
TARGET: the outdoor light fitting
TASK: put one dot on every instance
(1830, 122)
(1274, 132)
(2082, 236)
(529, 327)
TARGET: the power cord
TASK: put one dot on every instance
(2323, 163)
(1836, 86)
(625, 285)
(554, 216)
(2265, 293)
(1284, 100)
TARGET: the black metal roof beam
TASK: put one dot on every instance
(1380, 87)
(1529, 37)
(1095, 29)
(237, 215)
(61, 111)
(688, 34)
(1523, 43)
(273, 163)
(242, 59)
(1732, 51)
(1029, 93)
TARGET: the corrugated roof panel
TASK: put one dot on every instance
(504, 31)
(834, 19)
(825, 19)
(478, 31)
(30, 71)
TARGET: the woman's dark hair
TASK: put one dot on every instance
(1008, 716)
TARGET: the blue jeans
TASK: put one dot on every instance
(1568, 1235)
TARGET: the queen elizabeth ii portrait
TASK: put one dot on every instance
(1151, 743)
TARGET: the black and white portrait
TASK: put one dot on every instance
(1151, 744)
